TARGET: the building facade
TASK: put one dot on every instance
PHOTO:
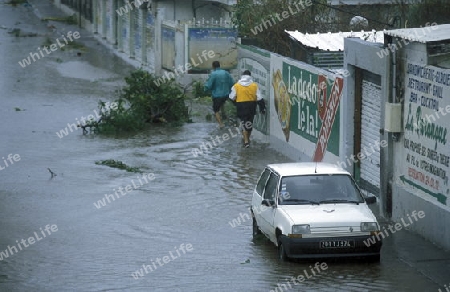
(399, 96)
(175, 39)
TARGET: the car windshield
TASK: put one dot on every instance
(318, 189)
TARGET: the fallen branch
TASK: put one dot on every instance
(90, 125)
(51, 172)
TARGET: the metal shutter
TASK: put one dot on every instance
(370, 132)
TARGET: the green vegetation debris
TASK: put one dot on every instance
(118, 164)
(146, 99)
(47, 42)
(69, 19)
(70, 45)
(199, 90)
(15, 32)
(74, 46)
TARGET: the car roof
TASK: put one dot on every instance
(306, 168)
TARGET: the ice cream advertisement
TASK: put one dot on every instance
(307, 106)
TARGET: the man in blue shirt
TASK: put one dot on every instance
(219, 83)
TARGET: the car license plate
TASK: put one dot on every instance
(337, 243)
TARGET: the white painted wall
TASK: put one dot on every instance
(361, 54)
(212, 9)
(300, 146)
(410, 192)
(176, 9)
(204, 10)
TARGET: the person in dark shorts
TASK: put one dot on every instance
(219, 83)
(247, 96)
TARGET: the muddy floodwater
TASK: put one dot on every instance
(171, 230)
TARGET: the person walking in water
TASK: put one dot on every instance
(219, 83)
(247, 96)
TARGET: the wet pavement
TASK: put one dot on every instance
(180, 213)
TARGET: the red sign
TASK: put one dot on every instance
(327, 123)
(322, 96)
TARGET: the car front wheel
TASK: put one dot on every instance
(282, 252)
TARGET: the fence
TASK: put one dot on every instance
(138, 30)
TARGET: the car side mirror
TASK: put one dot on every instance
(370, 199)
(268, 203)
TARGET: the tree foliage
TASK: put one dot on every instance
(260, 22)
(265, 24)
(152, 99)
(428, 11)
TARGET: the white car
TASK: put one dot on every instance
(314, 210)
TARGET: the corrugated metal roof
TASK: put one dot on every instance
(334, 41)
(425, 34)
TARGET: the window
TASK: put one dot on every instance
(318, 188)
(270, 191)
(262, 181)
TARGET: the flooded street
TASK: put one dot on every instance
(180, 213)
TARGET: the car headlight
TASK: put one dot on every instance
(301, 229)
(369, 226)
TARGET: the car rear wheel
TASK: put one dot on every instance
(282, 252)
(256, 230)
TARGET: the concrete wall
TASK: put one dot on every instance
(211, 9)
(180, 10)
(296, 108)
(363, 55)
(200, 10)
(421, 161)
(135, 33)
(434, 226)
(313, 129)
